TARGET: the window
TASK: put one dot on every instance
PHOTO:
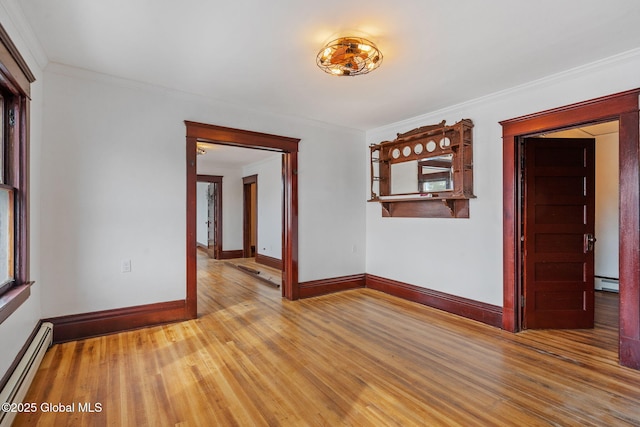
(7, 246)
(15, 80)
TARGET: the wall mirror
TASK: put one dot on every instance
(426, 172)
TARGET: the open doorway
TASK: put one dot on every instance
(205, 133)
(622, 107)
(209, 215)
(249, 215)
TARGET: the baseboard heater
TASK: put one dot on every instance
(609, 284)
(21, 378)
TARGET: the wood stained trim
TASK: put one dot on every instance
(79, 326)
(475, 310)
(13, 64)
(624, 108)
(335, 284)
(269, 261)
(15, 78)
(241, 138)
(12, 299)
(192, 228)
(232, 254)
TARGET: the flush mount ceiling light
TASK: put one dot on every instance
(349, 56)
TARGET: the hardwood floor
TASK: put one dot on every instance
(358, 358)
(268, 275)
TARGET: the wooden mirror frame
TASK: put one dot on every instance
(420, 144)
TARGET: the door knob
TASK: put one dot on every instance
(589, 242)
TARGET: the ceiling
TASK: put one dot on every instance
(589, 131)
(227, 156)
(261, 55)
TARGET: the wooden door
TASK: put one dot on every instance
(558, 220)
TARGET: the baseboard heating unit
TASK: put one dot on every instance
(610, 284)
(20, 380)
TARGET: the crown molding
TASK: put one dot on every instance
(633, 54)
(20, 25)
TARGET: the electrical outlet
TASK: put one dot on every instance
(126, 266)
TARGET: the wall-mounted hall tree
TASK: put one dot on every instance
(425, 173)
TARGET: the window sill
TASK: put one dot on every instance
(12, 299)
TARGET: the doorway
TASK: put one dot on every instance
(249, 215)
(570, 214)
(214, 214)
(624, 108)
(242, 138)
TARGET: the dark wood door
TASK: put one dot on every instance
(558, 247)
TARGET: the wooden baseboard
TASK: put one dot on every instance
(269, 261)
(231, 254)
(316, 288)
(78, 326)
(19, 356)
(482, 312)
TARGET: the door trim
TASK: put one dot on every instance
(216, 179)
(243, 138)
(624, 108)
(247, 213)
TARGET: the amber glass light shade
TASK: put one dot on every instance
(349, 56)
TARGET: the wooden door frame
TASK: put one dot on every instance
(246, 213)
(624, 108)
(215, 179)
(247, 139)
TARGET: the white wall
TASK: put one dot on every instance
(202, 215)
(115, 189)
(15, 330)
(464, 256)
(269, 204)
(607, 206)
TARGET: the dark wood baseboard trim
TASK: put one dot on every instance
(232, 254)
(269, 261)
(475, 310)
(79, 326)
(16, 361)
(316, 288)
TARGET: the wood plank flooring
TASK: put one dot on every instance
(269, 275)
(357, 358)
